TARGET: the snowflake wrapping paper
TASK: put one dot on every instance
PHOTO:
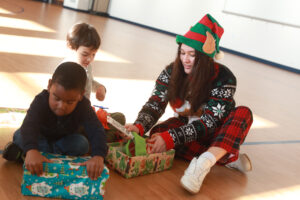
(64, 179)
(137, 165)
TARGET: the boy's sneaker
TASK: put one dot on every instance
(195, 174)
(243, 163)
(13, 152)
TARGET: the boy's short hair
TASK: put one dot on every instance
(83, 34)
(70, 75)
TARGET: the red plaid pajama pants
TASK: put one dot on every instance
(229, 136)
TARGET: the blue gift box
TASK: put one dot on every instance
(64, 179)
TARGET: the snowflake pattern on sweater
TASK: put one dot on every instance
(216, 109)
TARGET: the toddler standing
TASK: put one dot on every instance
(84, 40)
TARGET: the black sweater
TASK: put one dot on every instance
(40, 120)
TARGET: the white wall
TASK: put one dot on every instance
(270, 41)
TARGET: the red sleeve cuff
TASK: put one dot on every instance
(141, 129)
(168, 140)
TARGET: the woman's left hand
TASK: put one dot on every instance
(157, 143)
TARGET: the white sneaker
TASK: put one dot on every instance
(242, 164)
(195, 174)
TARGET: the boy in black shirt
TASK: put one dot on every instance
(52, 122)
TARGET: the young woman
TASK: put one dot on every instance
(207, 127)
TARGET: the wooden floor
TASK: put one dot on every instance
(32, 43)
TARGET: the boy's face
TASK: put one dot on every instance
(85, 55)
(62, 102)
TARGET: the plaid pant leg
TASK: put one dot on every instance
(190, 150)
(233, 133)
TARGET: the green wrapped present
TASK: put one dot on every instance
(137, 165)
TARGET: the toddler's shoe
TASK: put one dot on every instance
(13, 152)
(243, 163)
(195, 174)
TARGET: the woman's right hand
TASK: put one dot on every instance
(132, 128)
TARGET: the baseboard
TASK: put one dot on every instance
(273, 64)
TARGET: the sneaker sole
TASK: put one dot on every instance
(187, 186)
(245, 157)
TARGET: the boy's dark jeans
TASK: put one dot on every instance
(73, 145)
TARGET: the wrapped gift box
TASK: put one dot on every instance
(64, 179)
(137, 165)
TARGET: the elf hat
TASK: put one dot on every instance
(204, 37)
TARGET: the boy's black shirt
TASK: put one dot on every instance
(40, 120)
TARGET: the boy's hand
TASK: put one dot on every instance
(100, 93)
(34, 161)
(94, 166)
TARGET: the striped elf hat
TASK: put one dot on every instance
(204, 37)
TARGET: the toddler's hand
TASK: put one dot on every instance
(100, 93)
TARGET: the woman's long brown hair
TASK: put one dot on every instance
(194, 87)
